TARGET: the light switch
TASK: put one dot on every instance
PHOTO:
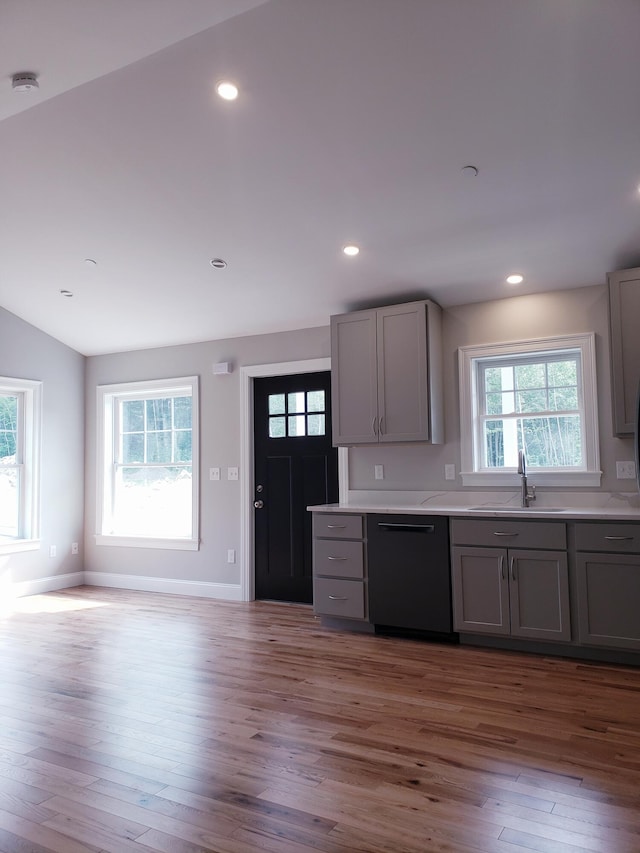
(232, 473)
(214, 473)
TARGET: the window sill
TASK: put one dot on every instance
(148, 542)
(568, 479)
(16, 545)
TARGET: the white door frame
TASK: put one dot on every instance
(247, 537)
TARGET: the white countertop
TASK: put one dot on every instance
(607, 506)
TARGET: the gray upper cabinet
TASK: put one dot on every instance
(624, 311)
(386, 374)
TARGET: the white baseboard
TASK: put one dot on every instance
(50, 584)
(200, 589)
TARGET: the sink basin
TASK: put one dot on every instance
(506, 508)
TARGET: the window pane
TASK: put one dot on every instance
(182, 446)
(552, 442)
(499, 404)
(159, 414)
(297, 426)
(8, 428)
(277, 426)
(9, 502)
(315, 424)
(530, 376)
(315, 401)
(182, 412)
(494, 444)
(133, 448)
(563, 372)
(296, 402)
(133, 415)
(532, 401)
(563, 398)
(153, 502)
(159, 447)
(276, 404)
(498, 378)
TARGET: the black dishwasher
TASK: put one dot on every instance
(409, 574)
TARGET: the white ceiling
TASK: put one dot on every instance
(354, 122)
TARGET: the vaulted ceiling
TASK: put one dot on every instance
(354, 123)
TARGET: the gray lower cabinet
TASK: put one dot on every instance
(608, 583)
(339, 566)
(514, 592)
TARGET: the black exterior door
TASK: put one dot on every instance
(295, 465)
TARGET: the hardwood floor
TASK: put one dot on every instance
(135, 721)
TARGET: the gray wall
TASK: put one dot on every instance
(220, 442)
(27, 353)
(421, 467)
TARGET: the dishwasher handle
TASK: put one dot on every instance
(397, 527)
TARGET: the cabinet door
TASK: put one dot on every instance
(609, 600)
(624, 310)
(403, 403)
(539, 595)
(480, 591)
(354, 385)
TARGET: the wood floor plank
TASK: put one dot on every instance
(135, 722)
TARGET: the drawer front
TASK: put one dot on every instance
(509, 533)
(339, 558)
(334, 597)
(616, 538)
(335, 525)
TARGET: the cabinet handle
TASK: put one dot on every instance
(337, 558)
(338, 598)
(502, 566)
(498, 533)
(382, 425)
(336, 526)
(374, 425)
(513, 568)
(619, 538)
(399, 527)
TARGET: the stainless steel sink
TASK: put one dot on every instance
(506, 508)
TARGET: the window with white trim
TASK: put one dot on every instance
(148, 464)
(20, 418)
(535, 396)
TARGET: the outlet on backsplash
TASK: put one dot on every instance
(625, 470)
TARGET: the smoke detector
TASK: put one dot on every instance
(24, 82)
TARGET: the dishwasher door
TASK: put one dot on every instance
(409, 572)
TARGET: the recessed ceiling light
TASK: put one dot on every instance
(516, 278)
(218, 263)
(227, 90)
(351, 250)
(66, 293)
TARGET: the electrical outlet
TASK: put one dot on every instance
(74, 547)
(625, 470)
(52, 550)
(449, 472)
(232, 473)
(214, 473)
(231, 555)
(378, 472)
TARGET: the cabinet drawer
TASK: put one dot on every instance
(616, 538)
(509, 533)
(334, 525)
(339, 558)
(333, 597)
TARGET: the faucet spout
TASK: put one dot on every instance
(527, 493)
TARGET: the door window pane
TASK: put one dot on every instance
(315, 401)
(296, 401)
(277, 428)
(297, 425)
(315, 424)
(276, 404)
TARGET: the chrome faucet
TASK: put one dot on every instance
(527, 493)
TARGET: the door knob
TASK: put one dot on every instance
(258, 504)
